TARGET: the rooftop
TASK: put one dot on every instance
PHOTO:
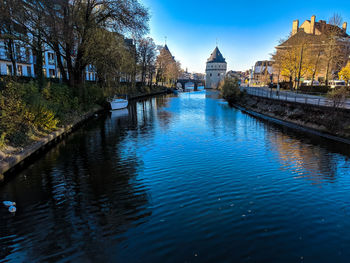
(216, 57)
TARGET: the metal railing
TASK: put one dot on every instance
(311, 99)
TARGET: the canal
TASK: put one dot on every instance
(181, 179)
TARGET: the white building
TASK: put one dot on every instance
(25, 61)
(215, 70)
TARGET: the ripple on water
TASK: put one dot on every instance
(181, 179)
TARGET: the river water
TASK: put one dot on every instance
(181, 179)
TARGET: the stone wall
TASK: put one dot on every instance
(329, 121)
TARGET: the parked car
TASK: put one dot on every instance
(308, 83)
(337, 84)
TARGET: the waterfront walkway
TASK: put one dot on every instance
(290, 96)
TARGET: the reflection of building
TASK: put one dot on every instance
(309, 162)
(215, 70)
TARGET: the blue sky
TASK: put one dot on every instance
(247, 31)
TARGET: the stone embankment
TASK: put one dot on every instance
(332, 123)
(12, 158)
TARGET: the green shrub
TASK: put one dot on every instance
(2, 140)
(229, 89)
(26, 111)
(338, 96)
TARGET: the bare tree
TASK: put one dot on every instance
(146, 50)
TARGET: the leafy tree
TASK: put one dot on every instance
(110, 57)
(344, 74)
(168, 69)
(292, 59)
(229, 89)
(334, 55)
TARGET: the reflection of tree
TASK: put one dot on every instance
(219, 114)
(305, 159)
(83, 193)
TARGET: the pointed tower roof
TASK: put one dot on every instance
(166, 49)
(216, 57)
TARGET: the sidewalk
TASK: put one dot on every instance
(292, 97)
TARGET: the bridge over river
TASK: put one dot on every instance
(196, 83)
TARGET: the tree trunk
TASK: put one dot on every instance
(11, 52)
(70, 69)
(60, 64)
(38, 66)
(327, 72)
(315, 69)
(300, 66)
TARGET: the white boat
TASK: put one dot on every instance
(117, 104)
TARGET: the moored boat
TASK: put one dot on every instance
(118, 104)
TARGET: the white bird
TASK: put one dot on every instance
(9, 203)
(12, 209)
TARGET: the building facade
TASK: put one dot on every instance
(262, 73)
(25, 61)
(324, 48)
(215, 69)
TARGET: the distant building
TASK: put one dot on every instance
(198, 76)
(234, 74)
(215, 70)
(317, 35)
(164, 57)
(186, 75)
(25, 61)
(262, 73)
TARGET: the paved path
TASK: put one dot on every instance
(292, 96)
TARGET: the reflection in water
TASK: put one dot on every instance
(181, 179)
(64, 205)
(307, 161)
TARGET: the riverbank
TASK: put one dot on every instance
(11, 157)
(331, 123)
(59, 113)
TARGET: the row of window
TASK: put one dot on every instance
(218, 74)
(52, 72)
(216, 66)
(20, 55)
(9, 70)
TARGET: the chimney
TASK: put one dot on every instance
(345, 26)
(312, 28)
(295, 27)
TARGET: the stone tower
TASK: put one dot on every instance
(215, 70)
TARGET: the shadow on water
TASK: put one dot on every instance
(82, 194)
(176, 179)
